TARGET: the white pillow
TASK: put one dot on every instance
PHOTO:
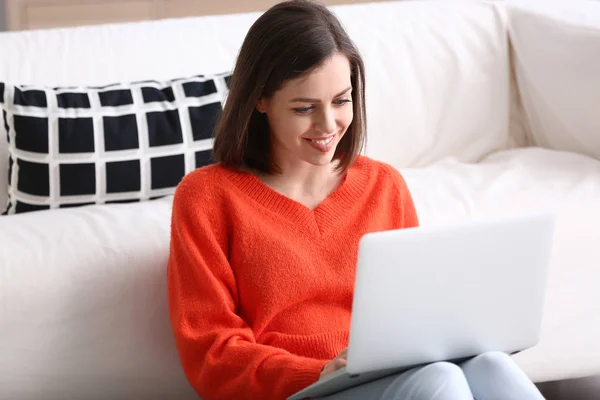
(557, 48)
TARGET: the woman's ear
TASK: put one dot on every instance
(261, 106)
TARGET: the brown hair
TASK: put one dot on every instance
(288, 41)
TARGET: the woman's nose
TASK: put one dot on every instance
(326, 123)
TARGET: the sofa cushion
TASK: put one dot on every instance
(84, 305)
(557, 62)
(437, 79)
(74, 146)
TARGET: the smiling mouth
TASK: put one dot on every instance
(322, 141)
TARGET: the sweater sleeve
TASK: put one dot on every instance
(217, 349)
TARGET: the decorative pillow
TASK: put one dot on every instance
(74, 146)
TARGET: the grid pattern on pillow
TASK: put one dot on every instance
(125, 142)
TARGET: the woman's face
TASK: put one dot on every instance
(308, 116)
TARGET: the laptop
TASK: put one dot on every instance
(444, 293)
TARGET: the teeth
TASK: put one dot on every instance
(326, 141)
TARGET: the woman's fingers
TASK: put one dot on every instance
(339, 363)
(335, 364)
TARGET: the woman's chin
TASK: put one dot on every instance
(320, 160)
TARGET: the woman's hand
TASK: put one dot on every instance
(335, 364)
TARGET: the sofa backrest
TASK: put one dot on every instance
(437, 73)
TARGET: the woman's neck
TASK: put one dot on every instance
(307, 184)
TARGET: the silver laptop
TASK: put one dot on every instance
(444, 293)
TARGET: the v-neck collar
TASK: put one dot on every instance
(324, 216)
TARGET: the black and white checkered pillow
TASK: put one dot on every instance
(125, 142)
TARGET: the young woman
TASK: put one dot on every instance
(264, 242)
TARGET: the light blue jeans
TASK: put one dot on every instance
(489, 376)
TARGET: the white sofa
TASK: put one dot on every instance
(487, 109)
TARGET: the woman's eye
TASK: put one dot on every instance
(302, 110)
(342, 101)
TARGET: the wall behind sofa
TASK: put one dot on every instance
(41, 14)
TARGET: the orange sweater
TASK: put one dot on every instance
(260, 286)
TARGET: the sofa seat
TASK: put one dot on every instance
(85, 309)
(534, 179)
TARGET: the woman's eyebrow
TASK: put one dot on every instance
(307, 100)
